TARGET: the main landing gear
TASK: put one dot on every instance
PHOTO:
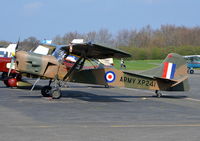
(54, 92)
(158, 93)
(48, 91)
(190, 70)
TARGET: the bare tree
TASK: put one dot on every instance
(143, 38)
(104, 37)
(91, 36)
(29, 43)
(4, 43)
(58, 40)
(68, 37)
(123, 38)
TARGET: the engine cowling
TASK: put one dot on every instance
(40, 65)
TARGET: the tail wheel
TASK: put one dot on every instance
(106, 86)
(46, 91)
(158, 93)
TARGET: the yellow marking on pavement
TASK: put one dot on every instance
(112, 126)
(156, 125)
(42, 126)
(192, 99)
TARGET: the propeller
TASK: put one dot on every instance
(13, 58)
(17, 45)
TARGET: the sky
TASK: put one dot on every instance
(48, 18)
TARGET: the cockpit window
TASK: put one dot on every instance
(59, 54)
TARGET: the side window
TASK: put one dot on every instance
(6, 55)
(60, 55)
(2, 54)
(197, 59)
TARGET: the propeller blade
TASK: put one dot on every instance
(13, 58)
(17, 45)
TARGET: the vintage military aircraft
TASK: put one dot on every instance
(10, 76)
(193, 61)
(171, 75)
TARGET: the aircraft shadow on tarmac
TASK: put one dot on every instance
(90, 97)
(86, 96)
(173, 96)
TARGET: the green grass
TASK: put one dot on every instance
(138, 64)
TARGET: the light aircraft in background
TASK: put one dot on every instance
(193, 61)
(7, 51)
(171, 75)
(5, 60)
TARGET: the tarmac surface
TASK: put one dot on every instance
(95, 113)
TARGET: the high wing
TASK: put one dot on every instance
(95, 51)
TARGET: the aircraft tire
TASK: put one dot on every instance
(106, 86)
(46, 91)
(56, 94)
(4, 75)
(191, 71)
(158, 93)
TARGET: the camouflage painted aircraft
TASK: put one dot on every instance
(171, 75)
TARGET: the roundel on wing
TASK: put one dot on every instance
(110, 76)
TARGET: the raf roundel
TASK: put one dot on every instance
(110, 76)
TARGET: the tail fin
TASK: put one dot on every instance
(173, 69)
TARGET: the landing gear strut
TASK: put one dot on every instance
(54, 91)
(158, 93)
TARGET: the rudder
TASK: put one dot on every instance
(173, 68)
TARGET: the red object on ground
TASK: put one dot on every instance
(12, 82)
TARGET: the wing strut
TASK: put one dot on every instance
(74, 66)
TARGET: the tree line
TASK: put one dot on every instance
(145, 43)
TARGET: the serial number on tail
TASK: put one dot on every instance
(142, 82)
